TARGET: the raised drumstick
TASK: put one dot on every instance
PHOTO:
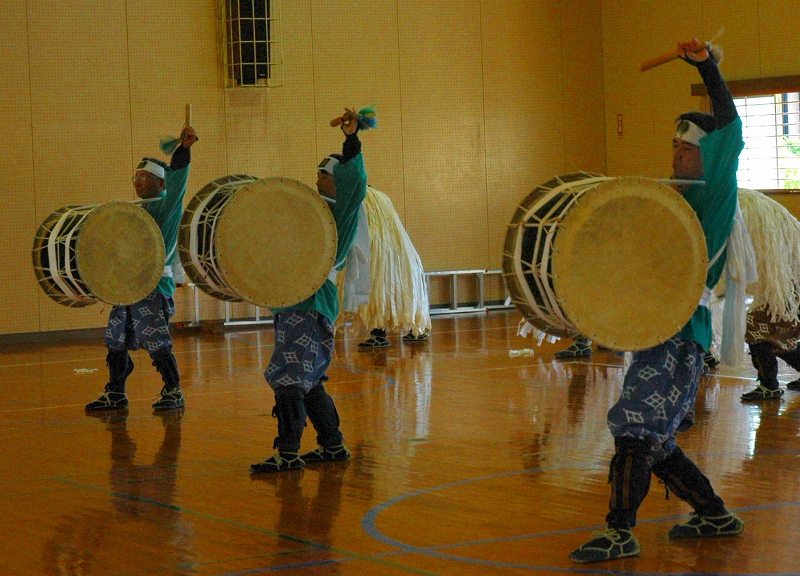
(714, 50)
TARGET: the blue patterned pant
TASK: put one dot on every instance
(658, 395)
(303, 349)
(144, 324)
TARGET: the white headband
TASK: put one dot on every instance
(690, 132)
(327, 165)
(152, 167)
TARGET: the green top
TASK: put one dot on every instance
(167, 214)
(351, 188)
(715, 204)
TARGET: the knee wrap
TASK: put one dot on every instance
(120, 365)
(290, 410)
(762, 354)
(167, 366)
(687, 482)
(323, 415)
(629, 476)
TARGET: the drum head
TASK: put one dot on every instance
(120, 253)
(629, 263)
(276, 242)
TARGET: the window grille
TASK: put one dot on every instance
(771, 157)
(252, 40)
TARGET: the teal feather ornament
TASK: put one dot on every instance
(367, 118)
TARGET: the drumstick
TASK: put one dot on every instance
(713, 49)
(366, 119)
(168, 144)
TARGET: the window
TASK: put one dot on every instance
(252, 43)
(771, 156)
(770, 112)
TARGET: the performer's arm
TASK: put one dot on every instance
(183, 154)
(722, 105)
(352, 145)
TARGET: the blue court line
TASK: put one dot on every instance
(369, 526)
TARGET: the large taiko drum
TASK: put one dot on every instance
(111, 252)
(270, 242)
(620, 260)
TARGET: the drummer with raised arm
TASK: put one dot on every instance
(145, 324)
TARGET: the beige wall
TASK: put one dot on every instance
(478, 101)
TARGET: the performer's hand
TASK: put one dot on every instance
(349, 121)
(693, 51)
(188, 136)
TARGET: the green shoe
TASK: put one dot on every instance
(279, 462)
(708, 526)
(322, 454)
(611, 544)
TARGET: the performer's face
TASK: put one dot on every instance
(326, 185)
(146, 184)
(687, 162)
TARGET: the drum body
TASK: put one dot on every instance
(270, 242)
(112, 252)
(619, 260)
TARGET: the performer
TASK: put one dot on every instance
(145, 324)
(390, 293)
(304, 332)
(660, 386)
(773, 319)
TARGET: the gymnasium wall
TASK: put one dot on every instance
(757, 41)
(478, 101)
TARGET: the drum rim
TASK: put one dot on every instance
(693, 287)
(550, 323)
(159, 255)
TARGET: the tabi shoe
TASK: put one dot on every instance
(793, 385)
(279, 462)
(411, 338)
(109, 401)
(170, 400)
(323, 454)
(608, 545)
(761, 392)
(578, 349)
(374, 342)
(708, 526)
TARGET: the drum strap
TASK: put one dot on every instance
(70, 287)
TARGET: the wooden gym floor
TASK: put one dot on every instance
(465, 461)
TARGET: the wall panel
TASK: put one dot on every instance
(16, 164)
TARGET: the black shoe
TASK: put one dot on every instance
(278, 462)
(793, 385)
(374, 342)
(322, 454)
(410, 337)
(708, 526)
(109, 401)
(579, 349)
(608, 545)
(170, 400)
(710, 360)
(762, 393)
